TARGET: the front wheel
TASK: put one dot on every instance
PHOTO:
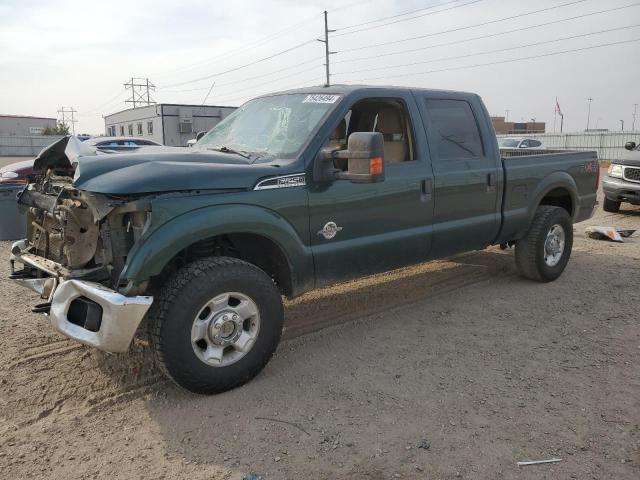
(215, 324)
(543, 253)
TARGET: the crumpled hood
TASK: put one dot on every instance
(155, 169)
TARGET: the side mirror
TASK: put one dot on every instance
(630, 145)
(199, 135)
(365, 157)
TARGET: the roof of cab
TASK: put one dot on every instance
(347, 89)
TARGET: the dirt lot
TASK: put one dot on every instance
(452, 369)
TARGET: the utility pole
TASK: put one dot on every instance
(633, 124)
(622, 125)
(141, 89)
(589, 112)
(71, 119)
(327, 52)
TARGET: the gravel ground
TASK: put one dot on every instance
(451, 369)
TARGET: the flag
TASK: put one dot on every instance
(558, 111)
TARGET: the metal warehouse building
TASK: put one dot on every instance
(166, 123)
(22, 126)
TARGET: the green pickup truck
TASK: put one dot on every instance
(293, 191)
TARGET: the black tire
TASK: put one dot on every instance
(530, 250)
(181, 299)
(610, 206)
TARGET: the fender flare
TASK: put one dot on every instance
(153, 252)
(552, 181)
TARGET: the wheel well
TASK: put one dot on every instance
(559, 197)
(258, 250)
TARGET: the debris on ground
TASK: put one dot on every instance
(424, 444)
(538, 462)
(608, 233)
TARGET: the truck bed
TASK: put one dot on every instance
(529, 178)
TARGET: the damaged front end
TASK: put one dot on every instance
(76, 246)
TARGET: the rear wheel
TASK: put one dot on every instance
(543, 254)
(215, 324)
(611, 206)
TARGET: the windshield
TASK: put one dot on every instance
(276, 126)
(509, 143)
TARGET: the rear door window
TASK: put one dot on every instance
(455, 129)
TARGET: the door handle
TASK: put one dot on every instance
(426, 190)
(492, 180)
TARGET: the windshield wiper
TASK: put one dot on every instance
(224, 149)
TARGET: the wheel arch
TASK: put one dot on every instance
(254, 234)
(558, 189)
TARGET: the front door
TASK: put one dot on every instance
(360, 229)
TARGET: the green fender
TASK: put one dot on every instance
(551, 182)
(152, 253)
(516, 221)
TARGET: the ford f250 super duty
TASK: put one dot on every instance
(291, 192)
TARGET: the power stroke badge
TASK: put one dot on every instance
(329, 230)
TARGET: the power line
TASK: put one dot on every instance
(499, 62)
(466, 27)
(111, 100)
(489, 35)
(249, 79)
(298, 84)
(241, 48)
(489, 51)
(274, 80)
(263, 59)
(411, 18)
(393, 16)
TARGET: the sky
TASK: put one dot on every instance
(58, 53)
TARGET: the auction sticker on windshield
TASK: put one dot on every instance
(321, 98)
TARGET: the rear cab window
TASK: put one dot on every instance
(455, 130)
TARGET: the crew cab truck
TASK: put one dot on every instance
(622, 180)
(293, 191)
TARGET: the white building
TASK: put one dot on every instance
(23, 126)
(166, 123)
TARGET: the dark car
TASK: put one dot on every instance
(16, 173)
(120, 144)
(622, 181)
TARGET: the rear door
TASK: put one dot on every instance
(466, 173)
